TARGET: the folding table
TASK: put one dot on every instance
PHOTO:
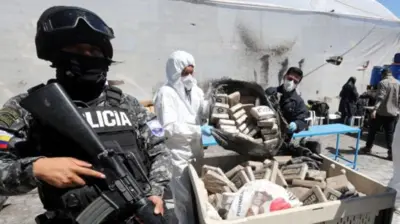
(333, 129)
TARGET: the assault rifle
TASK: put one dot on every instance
(120, 194)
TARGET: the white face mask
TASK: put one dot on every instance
(188, 81)
(289, 86)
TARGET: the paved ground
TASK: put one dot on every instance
(22, 209)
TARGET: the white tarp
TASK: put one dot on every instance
(239, 41)
(364, 8)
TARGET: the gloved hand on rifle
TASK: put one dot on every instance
(239, 143)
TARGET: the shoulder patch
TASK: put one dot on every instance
(156, 128)
(8, 116)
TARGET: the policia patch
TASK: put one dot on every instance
(8, 116)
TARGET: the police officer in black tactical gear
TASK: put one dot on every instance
(77, 43)
(291, 104)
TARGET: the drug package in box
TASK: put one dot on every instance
(333, 194)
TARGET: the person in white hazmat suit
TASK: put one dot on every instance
(395, 181)
(179, 106)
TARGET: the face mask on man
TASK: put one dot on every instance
(188, 81)
(289, 85)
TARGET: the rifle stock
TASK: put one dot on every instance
(53, 107)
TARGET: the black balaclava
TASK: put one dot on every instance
(83, 77)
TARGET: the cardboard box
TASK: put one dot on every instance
(375, 207)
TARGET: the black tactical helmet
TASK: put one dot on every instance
(60, 26)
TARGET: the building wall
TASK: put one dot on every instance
(244, 43)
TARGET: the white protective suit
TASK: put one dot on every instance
(395, 181)
(181, 119)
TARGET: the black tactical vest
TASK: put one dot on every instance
(111, 123)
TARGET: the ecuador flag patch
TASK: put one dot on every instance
(4, 139)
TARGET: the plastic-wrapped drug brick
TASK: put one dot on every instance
(262, 112)
(339, 183)
(268, 123)
(221, 98)
(247, 108)
(318, 175)
(313, 196)
(218, 170)
(253, 132)
(249, 173)
(264, 173)
(242, 127)
(308, 183)
(295, 171)
(274, 171)
(271, 142)
(332, 194)
(299, 192)
(225, 204)
(233, 171)
(234, 98)
(254, 164)
(240, 179)
(238, 114)
(220, 108)
(273, 130)
(216, 117)
(226, 122)
(270, 137)
(229, 128)
(280, 180)
(235, 108)
(241, 120)
(215, 183)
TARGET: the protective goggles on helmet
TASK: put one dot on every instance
(68, 19)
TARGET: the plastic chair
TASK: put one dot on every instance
(310, 120)
(319, 120)
(360, 121)
(333, 117)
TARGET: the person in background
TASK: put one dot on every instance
(385, 112)
(370, 96)
(395, 181)
(292, 105)
(179, 106)
(348, 100)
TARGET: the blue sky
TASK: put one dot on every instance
(393, 5)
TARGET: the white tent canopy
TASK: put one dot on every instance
(364, 8)
(248, 40)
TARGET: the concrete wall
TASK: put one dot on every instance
(247, 43)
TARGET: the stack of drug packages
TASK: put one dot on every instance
(255, 123)
(308, 185)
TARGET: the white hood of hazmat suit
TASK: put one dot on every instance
(181, 116)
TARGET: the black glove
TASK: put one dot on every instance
(243, 146)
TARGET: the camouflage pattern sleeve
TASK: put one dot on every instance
(16, 175)
(153, 135)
